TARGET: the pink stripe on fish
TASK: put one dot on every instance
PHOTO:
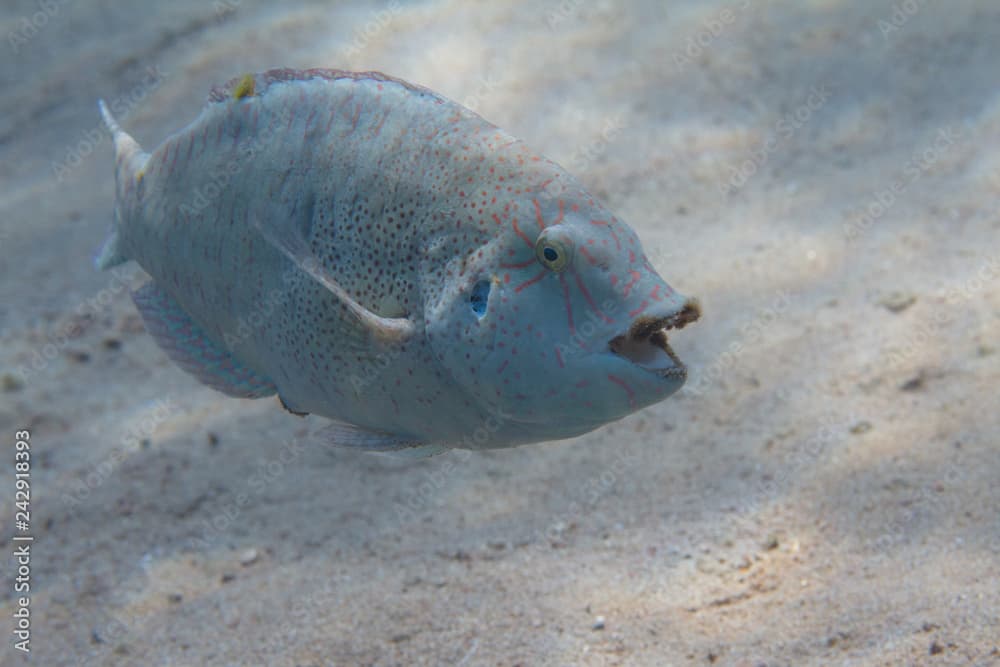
(569, 304)
(604, 223)
(624, 385)
(636, 311)
(524, 237)
(628, 287)
(538, 214)
(531, 281)
(590, 299)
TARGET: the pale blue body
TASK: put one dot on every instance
(326, 231)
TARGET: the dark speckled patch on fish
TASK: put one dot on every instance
(385, 258)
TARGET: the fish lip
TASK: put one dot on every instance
(652, 330)
(646, 325)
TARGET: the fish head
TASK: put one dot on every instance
(561, 324)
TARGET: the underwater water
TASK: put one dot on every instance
(823, 175)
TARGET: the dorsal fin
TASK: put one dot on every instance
(129, 155)
(249, 85)
(130, 160)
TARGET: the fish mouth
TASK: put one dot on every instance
(645, 343)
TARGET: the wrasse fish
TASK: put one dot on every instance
(375, 254)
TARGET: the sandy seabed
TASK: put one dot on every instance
(824, 175)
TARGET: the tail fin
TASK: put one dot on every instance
(130, 160)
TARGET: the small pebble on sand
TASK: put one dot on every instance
(897, 302)
(861, 427)
(79, 356)
(915, 383)
(11, 382)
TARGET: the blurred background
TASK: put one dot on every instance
(824, 175)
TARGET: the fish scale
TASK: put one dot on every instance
(389, 260)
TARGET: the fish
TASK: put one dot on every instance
(379, 256)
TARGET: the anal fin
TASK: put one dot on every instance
(419, 452)
(340, 434)
(191, 349)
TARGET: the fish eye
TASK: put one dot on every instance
(552, 253)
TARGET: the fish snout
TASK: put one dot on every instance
(645, 343)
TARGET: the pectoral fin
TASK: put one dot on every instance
(367, 328)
